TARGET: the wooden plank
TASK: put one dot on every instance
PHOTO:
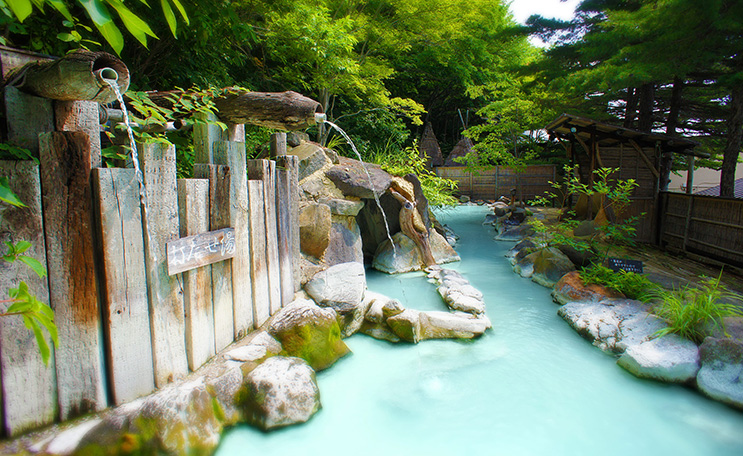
(278, 144)
(219, 202)
(29, 398)
(26, 116)
(291, 164)
(203, 249)
(260, 284)
(124, 284)
(68, 217)
(272, 237)
(285, 231)
(167, 319)
(193, 206)
(232, 154)
(81, 116)
(205, 134)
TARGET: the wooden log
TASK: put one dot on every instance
(26, 116)
(81, 116)
(124, 284)
(28, 397)
(68, 216)
(167, 319)
(291, 164)
(193, 205)
(232, 154)
(285, 231)
(260, 284)
(272, 237)
(219, 205)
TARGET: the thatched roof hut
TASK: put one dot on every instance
(429, 148)
(463, 147)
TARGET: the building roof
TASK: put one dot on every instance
(566, 126)
(715, 191)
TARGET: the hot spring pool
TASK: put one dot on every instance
(531, 386)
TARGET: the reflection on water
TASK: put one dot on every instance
(531, 386)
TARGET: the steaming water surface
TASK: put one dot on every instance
(531, 386)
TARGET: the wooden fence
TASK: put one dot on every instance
(494, 183)
(704, 225)
(141, 295)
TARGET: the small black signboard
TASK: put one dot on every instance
(620, 264)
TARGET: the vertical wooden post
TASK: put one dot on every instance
(219, 217)
(29, 398)
(81, 116)
(291, 164)
(272, 237)
(193, 212)
(232, 154)
(687, 222)
(278, 144)
(26, 116)
(260, 284)
(204, 137)
(285, 230)
(68, 221)
(124, 284)
(165, 292)
(689, 174)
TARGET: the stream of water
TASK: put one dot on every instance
(531, 386)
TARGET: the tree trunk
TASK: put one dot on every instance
(675, 106)
(733, 144)
(647, 102)
(630, 111)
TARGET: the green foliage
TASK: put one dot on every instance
(400, 162)
(630, 284)
(7, 195)
(691, 312)
(559, 234)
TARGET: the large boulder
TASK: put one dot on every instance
(406, 256)
(513, 233)
(341, 286)
(378, 309)
(280, 392)
(310, 332)
(612, 325)
(721, 371)
(314, 229)
(550, 265)
(414, 326)
(522, 248)
(347, 207)
(345, 244)
(571, 288)
(312, 158)
(669, 359)
(352, 177)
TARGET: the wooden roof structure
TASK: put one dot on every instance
(463, 147)
(582, 129)
(429, 148)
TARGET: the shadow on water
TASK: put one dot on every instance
(531, 386)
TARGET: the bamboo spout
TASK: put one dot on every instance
(281, 111)
(79, 75)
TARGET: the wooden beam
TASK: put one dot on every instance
(645, 158)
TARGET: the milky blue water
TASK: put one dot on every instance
(531, 386)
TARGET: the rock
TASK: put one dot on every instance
(514, 233)
(351, 177)
(570, 288)
(344, 245)
(408, 257)
(261, 345)
(584, 228)
(68, 441)
(580, 258)
(308, 268)
(500, 209)
(341, 286)
(295, 138)
(310, 332)
(318, 186)
(524, 267)
(518, 215)
(312, 159)
(465, 298)
(380, 307)
(520, 250)
(669, 359)
(549, 266)
(314, 229)
(343, 206)
(447, 325)
(406, 325)
(612, 325)
(464, 199)
(450, 236)
(380, 331)
(721, 371)
(280, 392)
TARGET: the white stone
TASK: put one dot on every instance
(670, 359)
(340, 286)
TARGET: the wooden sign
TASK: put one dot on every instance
(619, 264)
(200, 250)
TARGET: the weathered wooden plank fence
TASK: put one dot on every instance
(141, 295)
(494, 183)
(709, 226)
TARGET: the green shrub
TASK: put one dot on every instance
(691, 311)
(630, 284)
